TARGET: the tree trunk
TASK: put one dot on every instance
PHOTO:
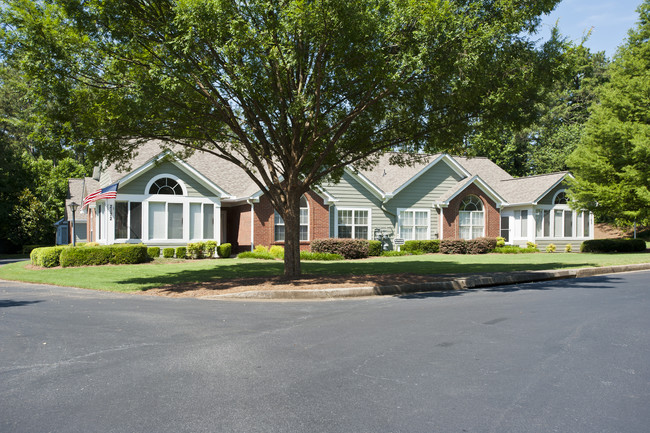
(292, 237)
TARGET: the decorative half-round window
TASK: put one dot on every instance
(166, 185)
(561, 198)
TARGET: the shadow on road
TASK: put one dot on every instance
(597, 282)
(4, 303)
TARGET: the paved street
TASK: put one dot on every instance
(565, 356)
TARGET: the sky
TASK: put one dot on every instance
(608, 20)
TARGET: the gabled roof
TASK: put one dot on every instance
(530, 189)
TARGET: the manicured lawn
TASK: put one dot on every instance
(132, 278)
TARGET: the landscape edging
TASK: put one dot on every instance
(447, 283)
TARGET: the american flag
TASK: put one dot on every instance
(101, 194)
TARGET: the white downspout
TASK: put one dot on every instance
(252, 225)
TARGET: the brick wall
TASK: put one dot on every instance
(238, 227)
(264, 221)
(450, 223)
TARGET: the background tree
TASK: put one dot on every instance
(291, 91)
(556, 122)
(612, 162)
(37, 156)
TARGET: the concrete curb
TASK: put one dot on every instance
(446, 283)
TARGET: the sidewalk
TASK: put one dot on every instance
(444, 283)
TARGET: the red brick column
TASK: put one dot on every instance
(451, 221)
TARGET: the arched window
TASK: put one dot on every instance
(304, 223)
(561, 198)
(471, 218)
(167, 186)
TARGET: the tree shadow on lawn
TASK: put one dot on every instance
(593, 282)
(267, 275)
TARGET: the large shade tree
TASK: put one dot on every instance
(612, 162)
(291, 91)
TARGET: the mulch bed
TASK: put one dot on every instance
(237, 285)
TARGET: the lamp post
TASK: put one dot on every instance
(73, 207)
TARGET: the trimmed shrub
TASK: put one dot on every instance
(127, 254)
(513, 249)
(153, 252)
(395, 253)
(374, 248)
(550, 248)
(308, 255)
(427, 246)
(260, 249)
(277, 251)
(102, 255)
(168, 253)
(453, 246)
(481, 245)
(181, 252)
(613, 246)
(255, 255)
(195, 250)
(530, 244)
(501, 241)
(47, 257)
(85, 256)
(224, 250)
(348, 248)
(567, 248)
(210, 248)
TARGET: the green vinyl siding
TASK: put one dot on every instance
(424, 191)
(350, 193)
(139, 184)
(548, 198)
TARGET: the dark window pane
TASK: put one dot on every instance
(121, 220)
(136, 220)
(345, 231)
(279, 233)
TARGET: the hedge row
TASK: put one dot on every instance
(47, 257)
(102, 255)
(613, 246)
(348, 248)
(428, 246)
(473, 246)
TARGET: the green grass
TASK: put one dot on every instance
(132, 278)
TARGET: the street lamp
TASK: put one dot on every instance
(73, 207)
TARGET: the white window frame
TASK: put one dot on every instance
(577, 232)
(413, 209)
(354, 225)
(471, 225)
(277, 215)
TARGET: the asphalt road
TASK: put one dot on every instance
(565, 356)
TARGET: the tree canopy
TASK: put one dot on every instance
(291, 91)
(612, 161)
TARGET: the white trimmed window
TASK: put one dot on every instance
(353, 223)
(471, 218)
(128, 220)
(304, 223)
(414, 224)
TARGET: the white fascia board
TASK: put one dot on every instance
(553, 186)
(326, 196)
(182, 165)
(483, 186)
(374, 189)
(452, 163)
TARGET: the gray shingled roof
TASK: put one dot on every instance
(222, 173)
(75, 194)
(385, 176)
(528, 189)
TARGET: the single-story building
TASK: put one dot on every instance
(164, 200)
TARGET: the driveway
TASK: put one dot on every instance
(568, 356)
